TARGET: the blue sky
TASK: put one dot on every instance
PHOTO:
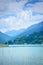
(18, 14)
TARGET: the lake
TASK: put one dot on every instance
(21, 55)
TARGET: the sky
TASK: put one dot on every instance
(18, 14)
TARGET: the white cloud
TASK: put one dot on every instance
(3, 30)
(16, 22)
(11, 6)
(37, 17)
(24, 19)
(38, 7)
(25, 15)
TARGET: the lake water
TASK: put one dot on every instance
(21, 55)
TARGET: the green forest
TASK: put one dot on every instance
(35, 38)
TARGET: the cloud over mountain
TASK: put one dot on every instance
(17, 14)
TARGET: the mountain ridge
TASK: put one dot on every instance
(33, 28)
(24, 34)
(14, 33)
(4, 37)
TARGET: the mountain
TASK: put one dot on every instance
(32, 35)
(4, 37)
(35, 38)
(14, 33)
(33, 28)
(29, 30)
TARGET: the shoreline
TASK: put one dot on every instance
(26, 45)
(3, 45)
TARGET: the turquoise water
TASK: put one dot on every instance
(31, 55)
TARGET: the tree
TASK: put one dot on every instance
(10, 42)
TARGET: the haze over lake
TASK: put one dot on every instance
(21, 55)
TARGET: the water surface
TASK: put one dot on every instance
(21, 55)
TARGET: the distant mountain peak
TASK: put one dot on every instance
(41, 22)
(34, 28)
(15, 32)
(4, 37)
(0, 32)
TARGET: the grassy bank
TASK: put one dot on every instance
(3, 45)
